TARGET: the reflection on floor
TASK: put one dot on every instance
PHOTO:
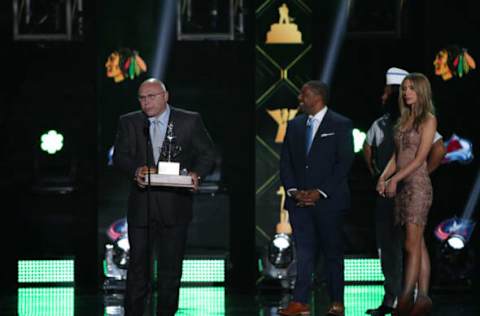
(46, 301)
(206, 301)
(194, 301)
(358, 299)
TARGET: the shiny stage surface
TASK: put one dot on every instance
(205, 301)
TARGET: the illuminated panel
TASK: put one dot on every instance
(358, 139)
(53, 301)
(363, 270)
(203, 270)
(51, 142)
(359, 298)
(46, 271)
(201, 301)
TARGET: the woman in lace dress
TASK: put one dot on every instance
(406, 179)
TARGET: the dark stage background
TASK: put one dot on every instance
(62, 85)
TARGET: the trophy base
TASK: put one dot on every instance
(168, 180)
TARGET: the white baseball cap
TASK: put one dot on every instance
(395, 75)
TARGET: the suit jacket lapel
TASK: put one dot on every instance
(324, 126)
(303, 134)
(142, 125)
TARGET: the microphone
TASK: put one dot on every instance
(146, 130)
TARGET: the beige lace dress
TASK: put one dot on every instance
(414, 192)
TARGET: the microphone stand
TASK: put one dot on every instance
(146, 131)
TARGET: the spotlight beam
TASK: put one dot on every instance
(164, 38)
(472, 198)
(336, 40)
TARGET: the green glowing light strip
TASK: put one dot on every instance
(54, 301)
(201, 301)
(359, 298)
(203, 270)
(46, 271)
(199, 270)
(363, 270)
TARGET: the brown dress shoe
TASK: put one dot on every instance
(295, 309)
(422, 306)
(336, 309)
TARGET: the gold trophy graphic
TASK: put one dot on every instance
(281, 117)
(285, 31)
(283, 227)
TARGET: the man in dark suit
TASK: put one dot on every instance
(316, 157)
(163, 220)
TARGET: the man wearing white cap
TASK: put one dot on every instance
(378, 149)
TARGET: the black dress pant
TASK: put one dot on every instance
(169, 244)
(315, 230)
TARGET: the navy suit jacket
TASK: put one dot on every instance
(327, 164)
(170, 206)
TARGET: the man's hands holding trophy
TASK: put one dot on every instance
(140, 175)
(195, 181)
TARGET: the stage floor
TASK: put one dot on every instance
(206, 301)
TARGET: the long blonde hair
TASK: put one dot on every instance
(424, 105)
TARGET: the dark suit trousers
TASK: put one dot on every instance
(314, 230)
(390, 243)
(169, 242)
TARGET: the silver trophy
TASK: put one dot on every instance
(168, 169)
(170, 149)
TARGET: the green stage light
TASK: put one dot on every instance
(363, 270)
(46, 271)
(203, 270)
(52, 301)
(51, 142)
(197, 270)
(200, 301)
(358, 139)
(359, 298)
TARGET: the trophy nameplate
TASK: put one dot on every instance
(171, 168)
(168, 173)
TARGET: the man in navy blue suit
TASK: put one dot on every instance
(316, 157)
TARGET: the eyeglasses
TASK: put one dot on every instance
(148, 97)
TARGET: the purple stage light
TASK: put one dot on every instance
(117, 229)
(454, 226)
(458, 149)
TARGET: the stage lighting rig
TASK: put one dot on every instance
(455, 232)
(121, 252)
(456, 241)
(116, 256)
(48, 20)
(280, 251)
(210, 20)
(54, 163)
(278, 263)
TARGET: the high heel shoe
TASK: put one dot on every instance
(404, 307)
(422, 306)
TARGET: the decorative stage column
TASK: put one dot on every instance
(283, 64)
